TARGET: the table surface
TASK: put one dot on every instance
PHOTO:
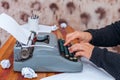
(6, 52)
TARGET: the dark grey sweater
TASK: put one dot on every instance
(107, 37)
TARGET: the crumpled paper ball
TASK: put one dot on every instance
(63, 25)
(28, 73)
(54, 28)
(5, 63)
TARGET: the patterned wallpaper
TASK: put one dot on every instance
(80, 14)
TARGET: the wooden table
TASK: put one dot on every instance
(6, 52)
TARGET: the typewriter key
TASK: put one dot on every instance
(75, 59)
(61, 46)
(66, 52)
(71, 56)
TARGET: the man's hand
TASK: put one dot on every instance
(81, 36)
(82, 49)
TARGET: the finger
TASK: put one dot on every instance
(88, 46)
(79, 54)
(76, 47)
(86, 50)
(69, 38)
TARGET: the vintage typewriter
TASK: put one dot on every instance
(45, 53)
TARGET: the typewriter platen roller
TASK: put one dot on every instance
(45, 54)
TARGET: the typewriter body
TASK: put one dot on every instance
(45, 53)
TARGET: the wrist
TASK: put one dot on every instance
(88, 36)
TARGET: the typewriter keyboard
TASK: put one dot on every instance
(65, 52)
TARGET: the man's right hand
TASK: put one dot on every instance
(81, 36)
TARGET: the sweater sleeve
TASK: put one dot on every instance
(106, 37)
(109, 61)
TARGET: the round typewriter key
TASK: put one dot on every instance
(75, 59)
(66, 52)
(61, 47)
(65, 49)
(71, 58)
